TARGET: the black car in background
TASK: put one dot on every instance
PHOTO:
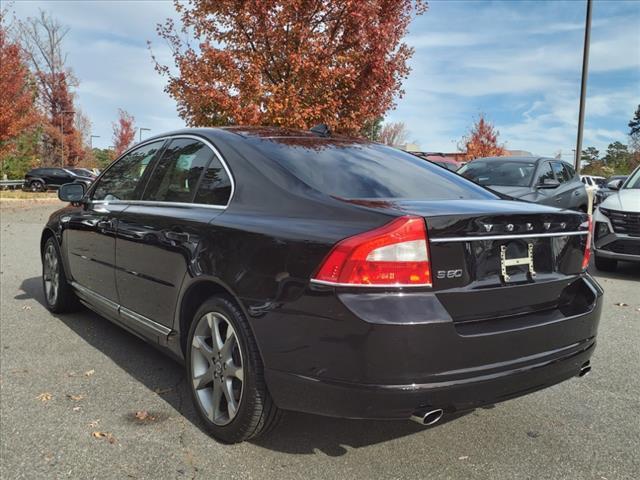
(611, 186)
(546, 181)
(296, 271)
(41, 179)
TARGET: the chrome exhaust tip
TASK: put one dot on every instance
(427, 417)
(585, 369)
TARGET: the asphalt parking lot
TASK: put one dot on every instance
(71, 387)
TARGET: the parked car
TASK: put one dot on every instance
(611, 186)
(534, 179)
(298, 271)
(592, 182)
(83, 172)
(440, 159)
(617, 226)
(41, 179)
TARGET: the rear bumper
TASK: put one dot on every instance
(386, 355)
(348, 400)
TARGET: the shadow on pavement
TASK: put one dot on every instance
(297, 434)
(624, 271)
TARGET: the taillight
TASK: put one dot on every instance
(587, 248)
(395, 254)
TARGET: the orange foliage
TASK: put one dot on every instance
(17, 93)
(482, 141)
(291, 63)
(123, 132)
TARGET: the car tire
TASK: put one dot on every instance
(37, 186)
(606, 264)
(226, 383)
(59, 296)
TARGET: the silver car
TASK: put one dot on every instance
(548, 181)
(617, 226)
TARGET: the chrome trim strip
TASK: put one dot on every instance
(147, 322)
(505, 237)
(351, 285)
(96, 296)
(129, 314)
(153, 203)
(172, 204)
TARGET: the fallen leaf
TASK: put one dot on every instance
(94, 424)
(75, 398)
(26, 307)
(144, 416)
(162, 391)
(88, 373)
(99, 434)
(464, 457)
(44, 397)
(76, 409)
(622, 304)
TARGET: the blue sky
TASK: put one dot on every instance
(517, 62)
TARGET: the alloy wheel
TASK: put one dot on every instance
(217, 369)
(51, 274)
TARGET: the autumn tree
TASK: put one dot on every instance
(124, 132)
(18, 115)
(42, 38)
(291, 63)
(394, 133)
(634, 132)
(481, 141)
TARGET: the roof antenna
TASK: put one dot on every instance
(321, 130)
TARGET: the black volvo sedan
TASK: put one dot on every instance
(294, 270)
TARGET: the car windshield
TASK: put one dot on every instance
(354, 170)
(502, 173)
(634, 181)
(601, 182)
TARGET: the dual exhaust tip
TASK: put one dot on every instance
(427, 416)
(584, 369)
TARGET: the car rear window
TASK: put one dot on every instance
(359, 171)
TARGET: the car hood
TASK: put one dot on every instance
(515, 192)
(625, 200)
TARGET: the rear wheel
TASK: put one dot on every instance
(225, 372)
(37, 186)
(606, 264)
(58, 294)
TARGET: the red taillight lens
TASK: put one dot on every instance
(393, 255)
(587, 248)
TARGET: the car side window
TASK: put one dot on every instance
(123, 179)
(561, 174)
(569, 171)
(215, 186)
(176, 176)
(545, 173)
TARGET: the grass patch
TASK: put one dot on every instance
(20, 195)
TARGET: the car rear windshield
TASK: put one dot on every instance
(361, 171)
(499, 173)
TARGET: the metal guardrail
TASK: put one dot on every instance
(11, 184)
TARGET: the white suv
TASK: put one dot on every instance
(617, 226)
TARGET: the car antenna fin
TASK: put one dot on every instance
(321, 130)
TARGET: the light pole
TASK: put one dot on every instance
(583, 86)
(91, 141)
(62, 135)
(140, 130)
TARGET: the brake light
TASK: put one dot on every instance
(587, 248)
(395, 254)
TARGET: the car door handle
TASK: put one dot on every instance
(106, 224)
(177, 236)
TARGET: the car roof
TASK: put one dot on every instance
(514, 159)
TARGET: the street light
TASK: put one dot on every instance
(91, 141)
(62, 162)
(140, 130)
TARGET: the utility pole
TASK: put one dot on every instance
(140, 130)
(583, 87)
(91, 141)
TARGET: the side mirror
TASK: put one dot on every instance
(549, 183)
(615, 184)
(71, 192)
